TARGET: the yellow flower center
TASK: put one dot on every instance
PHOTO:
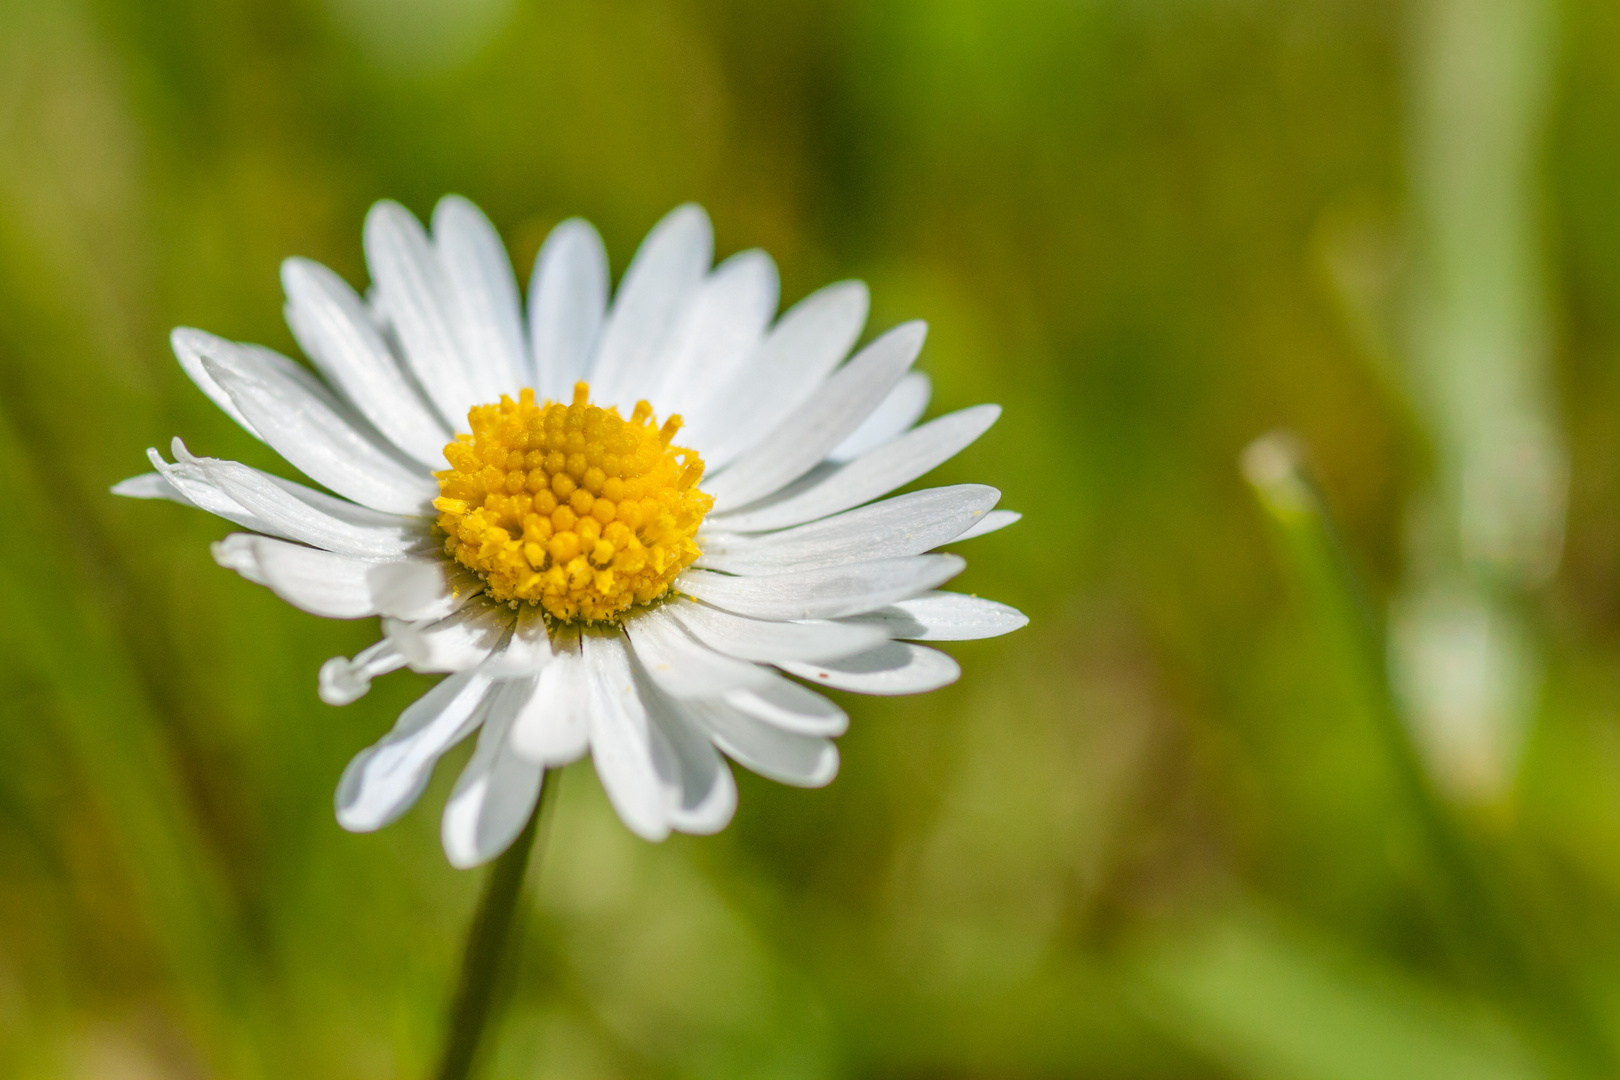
(571, 507)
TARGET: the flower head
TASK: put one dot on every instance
(618, 529)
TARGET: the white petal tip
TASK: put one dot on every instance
(145, 486)
(653, 834)
(349, 823)
(460, 842)
(466, 860)
(689, 215)
(467, 840)
(361, 811)
(293, 269)
(825, 772)
(235, 552)
(189, 339)
(454, 204)
(907, 331)
(363, 817)
(707, 826)
(387, 208)
(341, 683)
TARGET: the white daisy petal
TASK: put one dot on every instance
(412, 530)
(384, 780)
(482, 299)
(685, 670)
(496, 792)
(150, 486)
(874, 473)
(904, 525)
(703, 793)
(282, 508)
(190, 346)
(411, 290)
(457, 642)
(893, 417)
(193, 485)
(268, 504)
(827, 593)
(621, 737)
(991, 522)
(768, 641)
(801, 349)
(680, 665)
(318, 436)
(528, 650)
(783, 756)
(897, 667)
(725, 321)
(791, 707)
(312, 580)
(337, 334)
(567, 299)
(662, 278)
(834, 411)
(553, 727)
(943, 616)
(421, 588)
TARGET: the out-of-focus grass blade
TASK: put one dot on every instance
(50, 624)
(1494, 945)
(1270, 1002)
(1274, 465)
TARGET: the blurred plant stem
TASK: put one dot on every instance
(1494, 946)
(493, 939)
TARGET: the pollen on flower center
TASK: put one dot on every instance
(571, 507)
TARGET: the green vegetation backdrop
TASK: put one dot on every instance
(1174, 828)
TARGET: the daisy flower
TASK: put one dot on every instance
(636, 530)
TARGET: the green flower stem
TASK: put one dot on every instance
(492, 939)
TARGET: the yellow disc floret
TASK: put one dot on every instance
(571, 507)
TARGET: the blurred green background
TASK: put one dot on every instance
(1180, 826)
